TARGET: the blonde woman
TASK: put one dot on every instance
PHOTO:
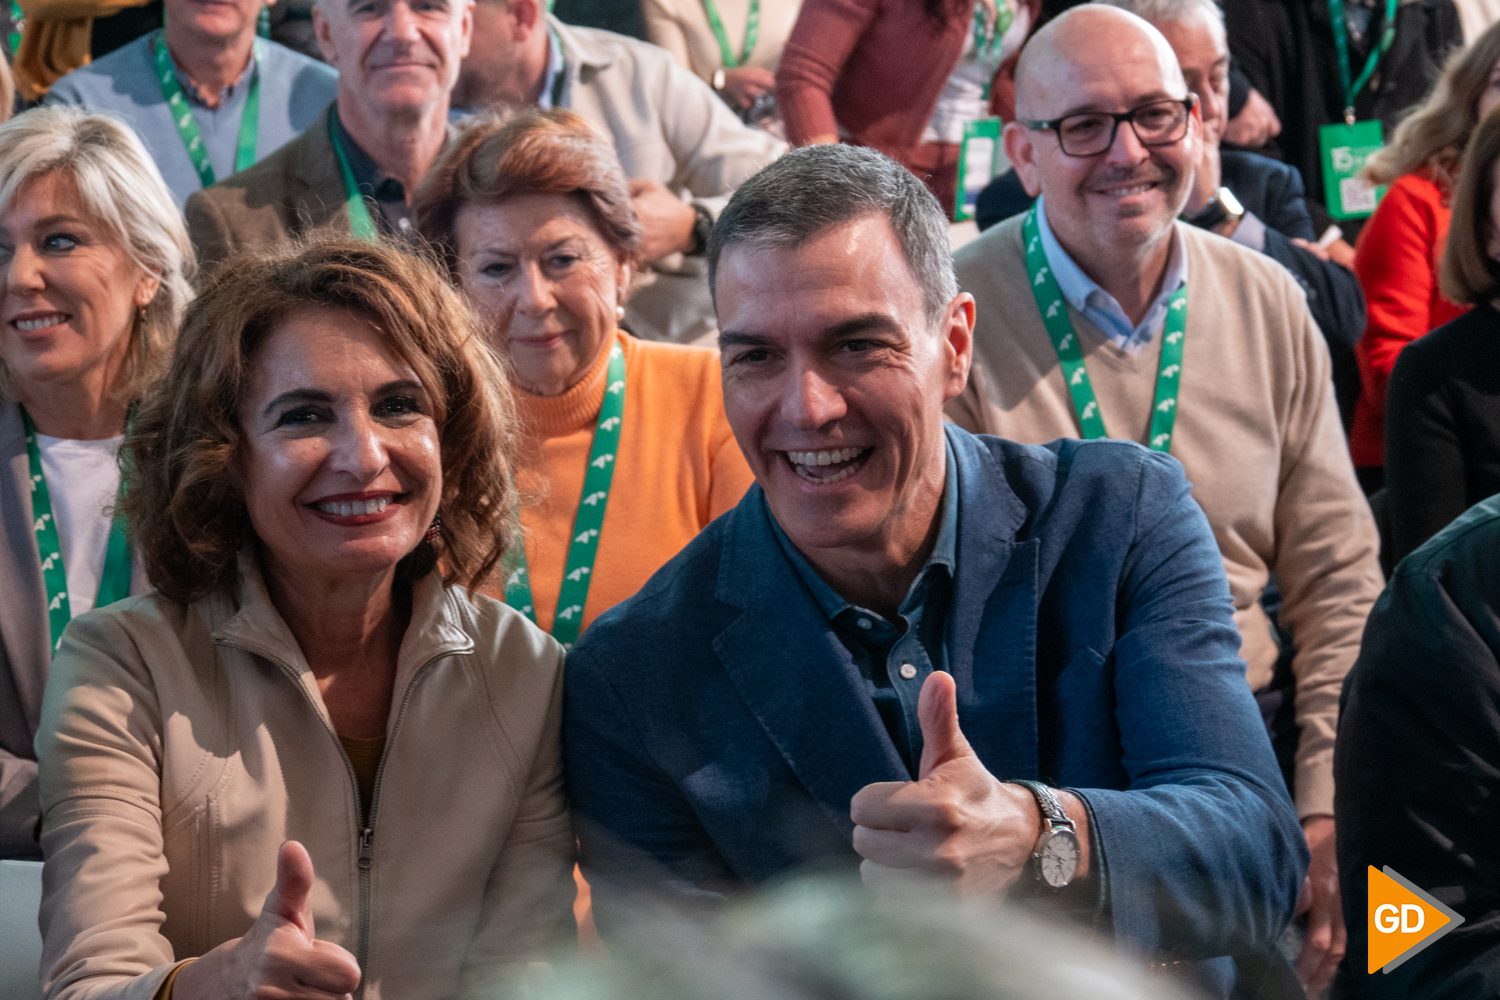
(95, 263)
(1400, 249)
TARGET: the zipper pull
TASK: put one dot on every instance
(366, 840)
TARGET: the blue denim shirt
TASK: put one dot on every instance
(1103, 309)
(886, 652)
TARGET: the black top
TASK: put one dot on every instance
(1442, 427)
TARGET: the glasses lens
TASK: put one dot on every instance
(1086, 134)
(1159, 124)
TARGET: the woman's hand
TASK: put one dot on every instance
(744, 84)
(279, 956)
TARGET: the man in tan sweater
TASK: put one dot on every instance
(1077, 303)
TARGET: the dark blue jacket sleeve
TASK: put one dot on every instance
(1202, 854)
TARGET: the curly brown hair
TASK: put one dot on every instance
(186, 512)
(536, 151)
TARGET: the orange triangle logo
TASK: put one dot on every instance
(1403, 919)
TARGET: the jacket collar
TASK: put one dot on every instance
(799, 681)
(317, 167)
(23, 614)
(578, 49)
(248, 620)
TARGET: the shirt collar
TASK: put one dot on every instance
(944, 549)
(555, 64)
(367, 173)
(1086, 296)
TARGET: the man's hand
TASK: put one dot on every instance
(1255, 125)
(1323, 947)
(1339, 251)
(279, 956)
(1206, 180)
(666, 220)
(955, 821)
(744, 84)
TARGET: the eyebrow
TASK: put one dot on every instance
(293, 396)
(871, 322)
(1138, 102)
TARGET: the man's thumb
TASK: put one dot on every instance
(294, 881)
(937, 709)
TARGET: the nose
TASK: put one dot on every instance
(1127, 149)
(401, 23)
(23, 273)
(534, 292)
(812, 401)
(358, 449)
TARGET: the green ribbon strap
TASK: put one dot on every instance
(1340, 28)
(752, 34)
(1049, 299)
(114, 582)
(988, 36)
(187, 125)
(568, 621)
(361, 223)
(17, 25)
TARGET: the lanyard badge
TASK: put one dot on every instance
(978, 162)
(1345, 146)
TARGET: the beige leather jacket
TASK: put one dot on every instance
(181, 745)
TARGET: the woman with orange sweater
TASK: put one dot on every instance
(628, 453)
(1401, 247)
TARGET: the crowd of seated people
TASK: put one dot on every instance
(490, 478)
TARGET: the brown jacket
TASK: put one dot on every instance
(1257, 431)
(182, 744)
(295, 190)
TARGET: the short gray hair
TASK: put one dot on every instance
(813, 189)
(121, 189)
(1167, 11)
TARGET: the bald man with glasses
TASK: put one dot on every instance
(1100, 314)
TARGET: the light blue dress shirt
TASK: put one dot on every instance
(1100, 307)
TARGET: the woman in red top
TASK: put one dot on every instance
(1401, 247)
(901, 76)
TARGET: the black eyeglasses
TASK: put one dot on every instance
(1090, 133)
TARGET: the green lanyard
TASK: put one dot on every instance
(586, 524)
(361, 223)
(561, 80)
(1340, 29)
(114, 583)
(752, 33)
(1049, 300)
(187, 126)
(988, 36)
(17, 25)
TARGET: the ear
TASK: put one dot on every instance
(623, 273)
(528, 15)
(958, 344)
(323, 33)
(1020, 149)
(146, 289)
(468, 30)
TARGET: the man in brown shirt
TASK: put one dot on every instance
(1101, 314)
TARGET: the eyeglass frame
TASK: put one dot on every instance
(1051, 124)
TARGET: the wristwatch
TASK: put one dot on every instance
(1054, 860)
(702, 226)
(1222, 215)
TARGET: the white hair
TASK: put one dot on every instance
(122, 190)
(1167, 11)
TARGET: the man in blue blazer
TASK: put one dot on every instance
(902, 620)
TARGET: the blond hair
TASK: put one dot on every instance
(1434, 134)
(185, 508)
(122, 191)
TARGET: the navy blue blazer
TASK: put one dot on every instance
(715, 728)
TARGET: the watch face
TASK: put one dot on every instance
(1059, 859)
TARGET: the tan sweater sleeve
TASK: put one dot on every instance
(98, 751)
(1326, 556)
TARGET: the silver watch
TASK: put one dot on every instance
(1055, 858)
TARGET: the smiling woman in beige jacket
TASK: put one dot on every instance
(309, 761)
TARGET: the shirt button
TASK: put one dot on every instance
(864, 623)
(908, 671)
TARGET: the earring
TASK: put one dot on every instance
(435, 531)
(619, 313)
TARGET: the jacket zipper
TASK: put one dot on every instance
(366, 859)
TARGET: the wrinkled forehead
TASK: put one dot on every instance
(1098, 71)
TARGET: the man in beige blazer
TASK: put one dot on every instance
(1078, 307)
(682, 147)
(398, 61)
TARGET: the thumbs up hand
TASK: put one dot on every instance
(279, 956)
(956, 821)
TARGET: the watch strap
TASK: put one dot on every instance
(1046, 799)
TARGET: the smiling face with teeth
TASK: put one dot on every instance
(70, 296)
(1113, 211)
(835, 379)
(339, 458)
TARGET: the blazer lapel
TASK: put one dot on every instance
(794, 674)
(994, 610)
(23, 614)
(322, 197)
